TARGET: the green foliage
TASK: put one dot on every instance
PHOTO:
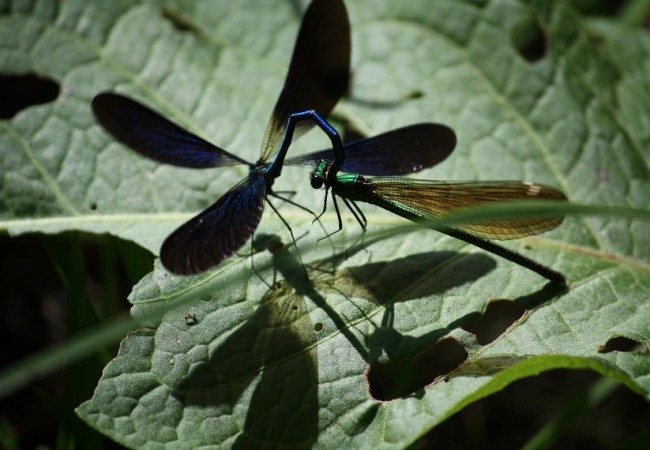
(222, 358)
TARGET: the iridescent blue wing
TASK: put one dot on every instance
(218, 232)
(398, 152)
(155, 137)
(319, 72)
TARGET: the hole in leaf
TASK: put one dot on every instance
(529, 39)
(180, 22)
(399, 378)
(318, 327)
(93, 206)
(191, 319)
(619, 344)
(22, 91)
(496, 319)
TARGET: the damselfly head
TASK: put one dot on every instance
(319, 174)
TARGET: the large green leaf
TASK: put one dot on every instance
(234, 362)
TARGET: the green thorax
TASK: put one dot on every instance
(352, 186)
(349, 178)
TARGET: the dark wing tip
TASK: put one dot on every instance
(447, 137)
(103, 104)
(218, 232)
(184, 254)
(443, 136)
(176, 256)
(433, 143)
(110, 101)
(111, 111)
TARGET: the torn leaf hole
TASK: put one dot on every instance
(620, 344)
(529, 39)
(22, 91)
(497, 318)
(403, 377)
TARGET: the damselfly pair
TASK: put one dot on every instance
(317, 78)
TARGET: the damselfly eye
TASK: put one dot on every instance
(316, 182)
